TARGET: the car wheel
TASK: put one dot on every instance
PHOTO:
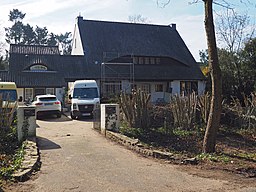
(72, 116)
(59, 115)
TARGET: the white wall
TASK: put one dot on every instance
(175, 85)
(126, 86)
(77, 46)
(59, 93)
(201, 87)
(20, 92)
(156, 96)
(160, 96)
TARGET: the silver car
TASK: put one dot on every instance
(47, 105)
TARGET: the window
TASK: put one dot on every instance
(50, 91)
(86, 93)
(187, 87)
(152, 60)
(28, 93)
(194, 86)
(141, 60)
(47, 98)
(146, 60)
(135, 60)
(158, 60)
(159, 88)
(8, 94)
(39, 91)
(145, 87)
(112, 88)
(38, 67)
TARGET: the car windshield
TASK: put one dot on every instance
(85, 93)
(8, 95)
(47, 99)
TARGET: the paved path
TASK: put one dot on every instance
(77, 158)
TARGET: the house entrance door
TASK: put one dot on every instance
(39, 91)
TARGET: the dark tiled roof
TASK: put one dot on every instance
(60, 69)
(34, 49)
(173, 71)
(100, 37)
(37, 79)
(6, 76)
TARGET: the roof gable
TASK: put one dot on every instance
(99, 37)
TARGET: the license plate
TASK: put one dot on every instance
(86, 114)
(48, 104)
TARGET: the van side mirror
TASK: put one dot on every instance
(69, 96)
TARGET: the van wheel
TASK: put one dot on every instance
(72, 116)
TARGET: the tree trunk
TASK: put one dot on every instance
(215, 72)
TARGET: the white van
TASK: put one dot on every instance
(84, 97)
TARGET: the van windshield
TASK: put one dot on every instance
(8, 95)
(85, 93)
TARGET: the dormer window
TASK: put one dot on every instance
(146, 60)
(38, 67)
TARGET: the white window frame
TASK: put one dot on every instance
(186, 87)
(38, 67)
(28, 95)
(50, 91)
(159, 87)
(145, 87)
(112, 88)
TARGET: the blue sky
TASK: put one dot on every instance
(59, 15)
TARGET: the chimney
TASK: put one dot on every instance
(173, 25)
(79, 18)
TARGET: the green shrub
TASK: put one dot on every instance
(11, 162)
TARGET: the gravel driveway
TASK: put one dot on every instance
(77, 158)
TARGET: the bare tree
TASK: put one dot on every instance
(162, 3)
(213, 123)
(209, 143)
(1, 47)
(1, 43)
(138, 19)
(233, 29)
(215, 73)
(3, 58)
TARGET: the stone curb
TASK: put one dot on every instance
(30, 161)
(135, 145)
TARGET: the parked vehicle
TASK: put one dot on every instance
(47, 105)
(84, 97)
(8, 103)
(8, 94)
